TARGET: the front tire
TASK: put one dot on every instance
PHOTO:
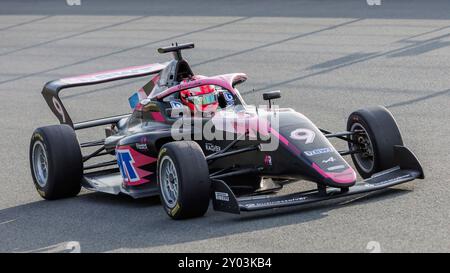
(183, 178)
(56, 162)
(378, 134)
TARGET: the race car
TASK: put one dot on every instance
(191, 139)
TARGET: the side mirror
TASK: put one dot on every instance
(271, 95)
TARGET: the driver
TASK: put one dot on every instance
(201, 99)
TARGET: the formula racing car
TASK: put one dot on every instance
(191, 139)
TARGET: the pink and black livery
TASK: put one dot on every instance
(146, 158)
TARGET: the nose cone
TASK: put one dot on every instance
(313, 149)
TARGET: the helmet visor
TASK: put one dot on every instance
(203, 99)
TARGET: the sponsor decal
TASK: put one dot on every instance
(125, 161)
(142, 145)
(39, 137)
(318, 151)
(211, 147)
(278, 202)
(41, 192)
(176, 104)
(338, 167)
(303, 134)
(222, 196)
(131, 163)
(175, 209)
(268, 160)
(331, 159)
(163, 150)
(228, 97)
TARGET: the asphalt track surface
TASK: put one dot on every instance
(328, 58)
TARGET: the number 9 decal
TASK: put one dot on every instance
(303, 134)
(59, 109)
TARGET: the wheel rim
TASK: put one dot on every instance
(168, 179)
(365, 159)
(40, 163)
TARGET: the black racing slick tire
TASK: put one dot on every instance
(56, 162)
(377, 135)
(183, 179)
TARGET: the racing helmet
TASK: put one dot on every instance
(200, 99)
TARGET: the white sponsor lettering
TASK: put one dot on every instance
(331, 159)
(338, 167)
(211, 147)
(318, 151)
(222, 196)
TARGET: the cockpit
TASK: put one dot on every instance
(176, 89)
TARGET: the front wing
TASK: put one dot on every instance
(408, 168)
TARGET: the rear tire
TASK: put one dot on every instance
(56, 162)
(183, 179)
(379, 134)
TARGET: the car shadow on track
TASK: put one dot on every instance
(101, 222)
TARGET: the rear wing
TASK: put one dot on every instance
(51, 89)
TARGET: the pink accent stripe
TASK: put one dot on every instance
(114, 74)
(139, 107)
(294, 148)
(286, 142)
(346, 177)
(280, 137)
(157, 116)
